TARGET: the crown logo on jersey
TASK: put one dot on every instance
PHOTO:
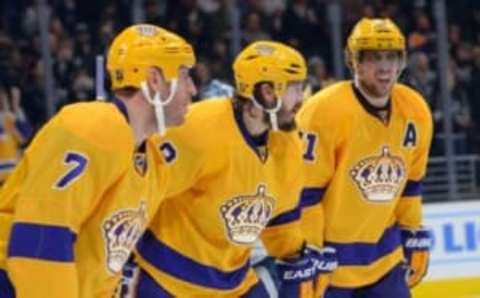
(379, 177)
(246, 216)
(121, 232)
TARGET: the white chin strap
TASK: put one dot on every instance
(272, 113)
(158, 103)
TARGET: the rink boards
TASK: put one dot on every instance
(454, 270)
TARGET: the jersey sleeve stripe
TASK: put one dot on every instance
(285, 217)
(167, 260)
(45, 242)
(147, 287)
(6, 287)
(7, 165)
(308, 197)
(359, 253)
(412, 188)
(311, 196)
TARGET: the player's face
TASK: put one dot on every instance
(377, 71)
(175, 111)
(291, 102)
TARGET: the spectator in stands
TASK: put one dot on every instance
(318, 77)
(253, 29)
(15, 130)
(33, 93)
(368, 11)
(154, 12)
(422, 77)
(83, 85)
(207, 86)
(67, 12)
(460, 111)
(454, 36)
(463, 57)
(218, 18)
(185, 17)
(475, 96)
(105, 35)
(302, 28)
(422, 35)
(84, 47)
(462, 118)
(219, 57)
(63, 68)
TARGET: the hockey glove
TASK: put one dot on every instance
(416, 248)
(327, 262)
(300, 276)
(126, 286)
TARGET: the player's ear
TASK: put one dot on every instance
(156, 81)
(267, 93)
(154, 75)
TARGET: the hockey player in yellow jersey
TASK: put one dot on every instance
(366, 150)
(86, 189)
(15, 130)
(237, 168)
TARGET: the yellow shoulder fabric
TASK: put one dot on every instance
(14, 132)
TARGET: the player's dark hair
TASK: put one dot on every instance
(126, 92)
(241, 101)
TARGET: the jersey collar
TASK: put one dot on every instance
(371, 109)
(253, 142)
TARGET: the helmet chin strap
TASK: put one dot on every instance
(158, 103)
(272, 113)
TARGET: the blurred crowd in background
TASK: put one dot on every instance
(80, 30)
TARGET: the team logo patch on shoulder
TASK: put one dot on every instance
(121, 232)
(379, 178)
(245, 216)
(140, 163)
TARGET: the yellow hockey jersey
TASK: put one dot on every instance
(14, 131)
(77, 204)
(365, 175)
(223, 196)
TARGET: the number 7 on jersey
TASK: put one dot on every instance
(77, 163)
